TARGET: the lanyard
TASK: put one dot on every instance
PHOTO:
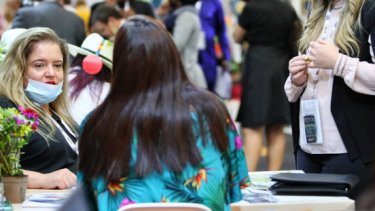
(326, 34)
(327, 21)
(66, 136)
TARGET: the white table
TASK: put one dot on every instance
(29, 192)
(299, 203)
(284, 203)
(295, 203)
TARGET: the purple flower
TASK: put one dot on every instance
(238, 142)
(126, 201)
(18, 121)
(21, 108)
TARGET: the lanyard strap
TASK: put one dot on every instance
(327, 21)
(66, 136)
(326, 34)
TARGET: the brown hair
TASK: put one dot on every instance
(151, 106)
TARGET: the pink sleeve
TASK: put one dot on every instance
(359, 76)
(293, 92)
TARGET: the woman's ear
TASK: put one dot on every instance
(25, 82)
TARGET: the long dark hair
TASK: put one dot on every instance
(151, 101)
(83, 79)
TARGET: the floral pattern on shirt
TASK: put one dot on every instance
(216, 182)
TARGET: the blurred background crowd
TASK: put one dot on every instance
(213, 47)
(253, 55)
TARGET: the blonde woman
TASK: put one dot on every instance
(33, 75)
(332, 86)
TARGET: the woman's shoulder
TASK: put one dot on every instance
(368, 15)
(368, 8)
(6, 103)
(209, 103)
(369, 4)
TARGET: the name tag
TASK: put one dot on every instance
(310, 127)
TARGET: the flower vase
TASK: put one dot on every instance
(15, 188)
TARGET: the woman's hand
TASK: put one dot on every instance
(60, 179)
(322, 54)
(298, 69)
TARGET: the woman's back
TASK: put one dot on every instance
(161, 138)
(215, 182)
(268, 22)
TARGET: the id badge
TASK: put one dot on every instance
(310, 126)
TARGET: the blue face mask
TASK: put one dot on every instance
(42, 93)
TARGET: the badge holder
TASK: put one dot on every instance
(311, 125)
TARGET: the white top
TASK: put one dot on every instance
(359, 76)
(88, 99)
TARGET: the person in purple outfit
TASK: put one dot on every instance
(212, 19)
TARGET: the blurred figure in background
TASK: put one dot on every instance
(10, 9)
(89, 84)
(110, 3)
(106, 20)
(51, 14)
(163, 10)
(184, 24)
(169, 140)
(83, 11)
(3, 23)
(267, 26)
(211, 15)
(68, 6)
(138, 7)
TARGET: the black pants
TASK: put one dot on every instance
(336, 164)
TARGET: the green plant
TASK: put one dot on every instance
(16, 127)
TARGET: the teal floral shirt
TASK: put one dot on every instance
(216, 182)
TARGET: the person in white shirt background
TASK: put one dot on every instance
(89, 78)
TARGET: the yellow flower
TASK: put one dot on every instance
(118, 186)
(196, 181)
